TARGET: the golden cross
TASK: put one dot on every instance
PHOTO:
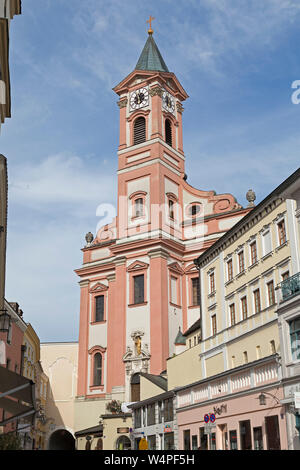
(150, 30)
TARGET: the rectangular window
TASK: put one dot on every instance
(244, 308)
(232, 314)
(168, 410)
(285, 276)
(295, 338)
(245, 435)
(151, 414)
(99, 308)
(212, 283)
(194, 442)
(267, 245)
(138, 289)
(186, 440)
(272, 347)
(138, 418)
(281, 232)
(213, 445)
(241, 262)
(253, 252)
(151, 442)
(258, 439)
(257, 306)
(229, 270)
(233, 440)
(245, 356)
(271, 292)
(203, 439)
(214, 325)
(160, 411)
(195, 291)
(174, 298)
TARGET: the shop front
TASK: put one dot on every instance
(237, 423)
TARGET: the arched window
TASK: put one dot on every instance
(168, 132)
(138, 207)
(97, 369)
(139, 130)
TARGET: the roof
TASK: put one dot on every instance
(158, 380)
(148, 401)
(180, 339)
(151, 58)
(93, 430)
(195, 326)
(277, 193)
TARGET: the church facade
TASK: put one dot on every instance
(138, 281)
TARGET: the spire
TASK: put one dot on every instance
(151, 58)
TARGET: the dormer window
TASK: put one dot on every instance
(168, 132)
(139, 130)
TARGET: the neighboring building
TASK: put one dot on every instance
(138, 281)
(59, 363)
(33, 437)
(3, 227)
(12, 356)
(288, 310)
(231, 359)
(154, 416)
(8, 8)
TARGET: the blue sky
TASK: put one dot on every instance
(237, 61)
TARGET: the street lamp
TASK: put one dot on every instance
(5, 321)
(263, 399)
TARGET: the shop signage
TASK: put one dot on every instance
(122, 430)
(218, 410)
(167, 428)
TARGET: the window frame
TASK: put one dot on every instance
(255, 298)
(253, 258)
(229, 272)
(92, 354)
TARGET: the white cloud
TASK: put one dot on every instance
(61, 179)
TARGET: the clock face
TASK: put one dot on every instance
(139, 99)
(168, 102)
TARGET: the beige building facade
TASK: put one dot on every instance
(59, 362)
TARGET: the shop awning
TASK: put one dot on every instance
(17, 396)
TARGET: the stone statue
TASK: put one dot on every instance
(251, 196)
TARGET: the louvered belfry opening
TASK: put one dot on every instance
(168, 132)
(139, 130)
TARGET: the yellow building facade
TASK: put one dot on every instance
(233, 349)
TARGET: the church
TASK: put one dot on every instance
(139, 286)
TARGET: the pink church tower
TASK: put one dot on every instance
(138, 282)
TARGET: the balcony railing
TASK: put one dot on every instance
(290, 287)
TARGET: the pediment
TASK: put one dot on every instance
(137, 266)
(191, 268)
(176, 268)
(99, 287)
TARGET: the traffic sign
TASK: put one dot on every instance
(212, 418)
(206, 418)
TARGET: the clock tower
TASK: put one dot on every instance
(138, 282)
